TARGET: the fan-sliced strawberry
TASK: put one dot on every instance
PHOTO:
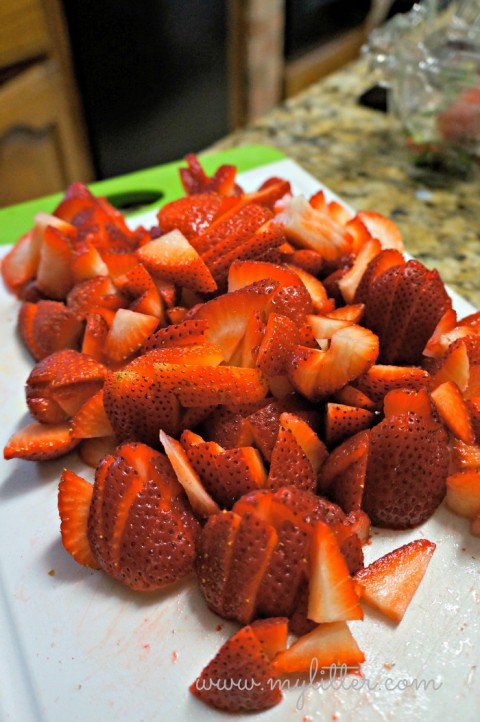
(87, 295)
(316, 374)
(407, 469)
(141, 536)
(239, 678)
(74, 500)
(48, 326)
(190, 331)
(176, 260)
(342, 421)
(379, 379)
(91, 419)
(389, 583)
(281, 335)
(314, 229)
(451, 406)
(349, 282)
(463, 493)
(272, 634)
(54, 273)
(40, 442)
(323, 327)
(332, 596)
(201, 502)
(138, 285)
(326, 646)
(387, 259)
(343, 474)
(191, 214)
(127, 333)
(228, 315)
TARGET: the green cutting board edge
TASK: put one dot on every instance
(161, 183)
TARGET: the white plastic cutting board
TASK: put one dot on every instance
(76, 645)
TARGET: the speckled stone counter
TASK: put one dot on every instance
(360, 154)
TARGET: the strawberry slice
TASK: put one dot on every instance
(289, 462)
(19, 265)
(313, 448)
(175, 259)
(342, 421)
(280, 337)
(54, 273)
(93, 450)
(195, 180)
(91, 420)
(451, 406)
(40, 442)
(74, 500)
(190, 331)
(138, 285)
(272, 634)
(95, 335)
(383, 229)
(316, 373)
(95, 292)
(332, 596)
(48, 326)
(454, 367)
(463, 493)
(343, 474)
(239, 678)
(400, 401)
(389, 583)
(129, 330)
(407, 469)
(326, 646)
(140, 527)
(191, 214)
(349, 282)
(379, 379)
(350, 396)
(465, 456)
(310, 228)
(87, 261)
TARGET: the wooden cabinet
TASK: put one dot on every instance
(43, 144)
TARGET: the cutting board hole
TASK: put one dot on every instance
(134, 200)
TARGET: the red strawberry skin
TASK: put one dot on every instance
(406, 472)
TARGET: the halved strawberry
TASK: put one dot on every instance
(140, 532)
(463, 493)
(342, 421)
(74, 500)
(127, 333)
(332, 596)
(310, 228)
(175, 259)
(326, 646)
(239, 678)
(407, 468)
(316, 373)
(48, 326)
(40, 442)
(389, 583)
(451, 406)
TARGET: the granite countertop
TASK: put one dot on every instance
(360, 154)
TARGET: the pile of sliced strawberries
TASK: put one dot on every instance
(256, 380)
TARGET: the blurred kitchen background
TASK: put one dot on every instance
(91, 89)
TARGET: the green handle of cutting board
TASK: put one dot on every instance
(151, 187)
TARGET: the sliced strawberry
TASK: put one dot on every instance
(342, 421)
(127, 333)
(310, 261)
(272, 634)
(95, 336)
(229, 426)
(463, 493)
(40, 442)
(289, 464)
(473, 406)
(349, 282)
(201, 502)
(465, 456)
(310, 228)
(351, 396)
(48, 326)
(316, 374)
(91, 419)
(176, 260)
(138, 285)
(400, 401)
(74, 500)
(407, 469)
(141, 535)
(252, 339)
(332, 595)
(379, 379)
(190, 331)
(195, 180)
(451, 406)
(281, 335)
(191, 214)
(316, 289)
(19, 265)
(120, 262)
(239, 678)
(327, 645)
(454, 367)
(54, 273)
(87, 261)
(313, 448)
(239, 222)
(87, 295)
(436, 345)
(272, 190)
(389, 583)
(343, 474)
(382, 228)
